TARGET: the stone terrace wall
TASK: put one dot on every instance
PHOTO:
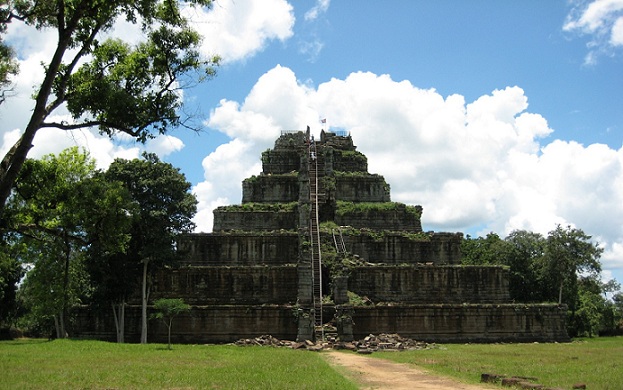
(444, 284)
(254, 220)
(347, 161)
(464, 323)
(396, 249)
(204, 324)
(228, 285)
(271, 189)
(277, 248)
(394, 220)
(361, 188)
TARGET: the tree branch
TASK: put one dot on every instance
(61, 93)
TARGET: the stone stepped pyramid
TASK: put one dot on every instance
(253, 275)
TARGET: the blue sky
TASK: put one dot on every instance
(492, 115)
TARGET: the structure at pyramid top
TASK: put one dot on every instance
(348, 194)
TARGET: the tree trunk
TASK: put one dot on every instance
(144, 299)
(116, 318)
(118, 311)
(560, 292)
(61, 321)
(65, 285)
(169, 338)
(13, 161)
(57, 327)
(121, 336)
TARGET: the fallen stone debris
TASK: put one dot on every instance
(369, 344)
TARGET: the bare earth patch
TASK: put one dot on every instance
(371, 373)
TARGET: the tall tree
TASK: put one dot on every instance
(524, 259)
(108, 226)
(11, 272)
(569, 252)
(49, 218)
(165, 206)
(105, 83)
(482, 251)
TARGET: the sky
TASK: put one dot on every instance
(493, 116)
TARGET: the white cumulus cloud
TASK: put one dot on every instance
(238, 29)
(602, 21)
(235, 30)
(472, 165)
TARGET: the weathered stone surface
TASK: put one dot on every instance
(232, 249)
(397, 248)
(203, 324)
(271, 189)
(252, 277)
(229, 285)
(421, 284)
(361, 188)
(378, 220)
(466, 322)
(225, 220)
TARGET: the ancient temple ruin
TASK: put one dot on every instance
(317, 247)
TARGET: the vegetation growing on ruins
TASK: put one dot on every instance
(357, 300)
(255, 178)
(353, 155)
(356, 174)
(260, 207)
(344, 208)
(376, 235)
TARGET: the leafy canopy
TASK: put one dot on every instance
(105, 83)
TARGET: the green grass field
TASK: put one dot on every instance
(66, 364)
(596, 362)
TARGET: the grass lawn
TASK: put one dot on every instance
(67, 364)
(596, 362)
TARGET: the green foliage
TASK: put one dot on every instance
(52, 214)
(344, 208)
(352, 155)
(563, 267)
(357, 300)
(164, 206)
(483, 251)
(261, 207)
(569, 252)
(105, 83)
(11, 272)
(586, 321)
(167, 309)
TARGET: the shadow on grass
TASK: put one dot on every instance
(163, 349)
(25, 341)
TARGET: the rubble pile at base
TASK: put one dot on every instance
(385, 341)
(264, 340)
(371, 343)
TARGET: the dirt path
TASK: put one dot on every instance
(372, 373)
